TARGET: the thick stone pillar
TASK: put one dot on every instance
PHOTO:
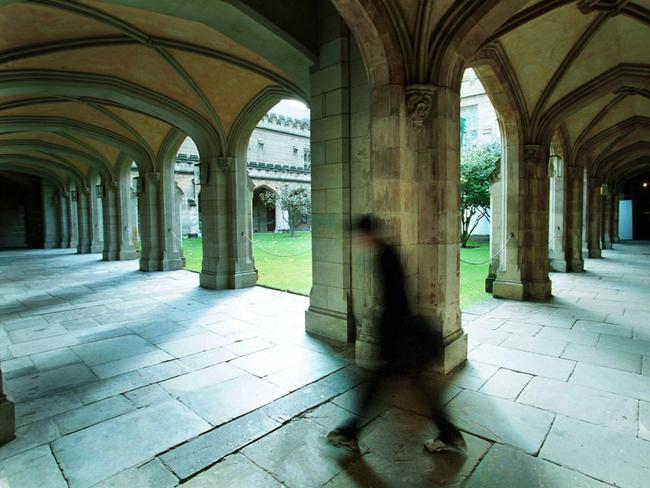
(62, 219)
(594, 219)
(83, 219)
(523, 272)
(49, 202)
(95, 221)
(607, 221)
(225, 219)
(160, 249)
(73, 226)
(496, 225)
(557, 210)
(534, 252)
(127, 220)
(7, 417)
(329, 313)
(111, 232)
(436, 182)
(574, 219)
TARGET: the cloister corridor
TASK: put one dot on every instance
(123, 378)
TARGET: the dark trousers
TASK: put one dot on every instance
(448, 432)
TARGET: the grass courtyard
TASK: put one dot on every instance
(284, 263)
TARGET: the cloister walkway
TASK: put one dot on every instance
(125, 379)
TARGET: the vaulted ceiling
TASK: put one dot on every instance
(89, 86)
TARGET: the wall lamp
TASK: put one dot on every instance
(139, 185)
(74, 196)
(555, 166)
(100, 191)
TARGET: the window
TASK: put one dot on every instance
(260, 143)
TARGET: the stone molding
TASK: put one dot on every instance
(419, 103)
(225, 162)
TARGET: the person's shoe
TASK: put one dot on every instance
(438, 445)
(339, 438)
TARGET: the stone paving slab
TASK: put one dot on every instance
(92, 414)
(506, 467)
(612, 380)
(49, 382)
(601, 356)
(232, 398)
(500, 420)
(105, 449)
(29, 436)
(213, 446)
(583, 403)
(506, 384)
(235, 471)
(151, 475)
(599, 452)
(34, 468)
(524, 362)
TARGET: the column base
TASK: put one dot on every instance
(607, 245)
(7, 421)
(330, 324)
(489, 282)
(576, 266)
(594, 253)
(83, 249)
(161, 264)
(511, 290)
(96, 248)
(454, 354)
(538, 290)
(213, 280)
(616, 239)
(558, 265)
(127, 255)
(110, 255)
(50, 245)
(243, 279)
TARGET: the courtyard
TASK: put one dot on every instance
(127, 379)
(284, 263)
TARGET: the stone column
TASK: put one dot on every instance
(62, 219)
(127, 220)
(534, 252)
(225, 219)
(524, 269)
(614, 220)
(50, 202)
(496, 225)
(7, 417)
(435, 180)
(111, 222)
(73, 225)
(607, 221)
(557, 210)
(573, 219)
(329, 313)
(594, 219)
(95, 221)
(83, 219)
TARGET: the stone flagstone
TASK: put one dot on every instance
(613, 457)
(103, 450)
(34, 468)
(500, 420)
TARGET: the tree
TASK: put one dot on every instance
(476, 168)
(294, 201)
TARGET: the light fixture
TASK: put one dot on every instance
(100, 191)
(603, 189)
(644, 184)
(138, 184)
(74, 195)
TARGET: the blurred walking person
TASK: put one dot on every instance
(407, 345)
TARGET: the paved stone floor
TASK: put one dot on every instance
(128, 379)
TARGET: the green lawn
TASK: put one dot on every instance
(284, 263)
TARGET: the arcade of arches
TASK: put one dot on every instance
(88, 87)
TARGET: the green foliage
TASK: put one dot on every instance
(475, 170)
(295, 202)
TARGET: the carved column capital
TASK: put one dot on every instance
(225, 162)
(153, 178)
(113, 185)
(419, 103)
